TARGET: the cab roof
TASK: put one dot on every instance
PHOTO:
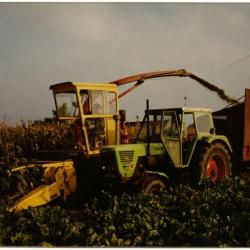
(181, 109)
(72, 85)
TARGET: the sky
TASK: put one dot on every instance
(46, 43)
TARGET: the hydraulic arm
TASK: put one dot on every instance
(140, 78)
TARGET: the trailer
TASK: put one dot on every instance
(234, 122)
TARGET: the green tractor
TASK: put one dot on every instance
(171, 143)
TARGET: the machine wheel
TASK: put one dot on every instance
(153, 185)
(214, 162)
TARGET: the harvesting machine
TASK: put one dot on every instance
(170, 142)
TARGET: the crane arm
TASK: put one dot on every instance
(144, 76)
(140, 78)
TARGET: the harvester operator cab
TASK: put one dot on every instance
(90, 112)
(178, 130)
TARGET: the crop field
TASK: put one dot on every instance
(211, 215)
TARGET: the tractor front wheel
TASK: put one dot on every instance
(153, 185)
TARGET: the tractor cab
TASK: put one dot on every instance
(178, 130)
(89, 112)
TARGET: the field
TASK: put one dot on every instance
(212, 215)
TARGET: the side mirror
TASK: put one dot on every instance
(212, 131)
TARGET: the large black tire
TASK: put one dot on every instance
(153, 185)
(212, 161)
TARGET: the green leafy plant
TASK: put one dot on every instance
(215, 215)
(212, 215)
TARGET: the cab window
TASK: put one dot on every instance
(98, 102)
(170, 126)
(203, 122)
(67, 105)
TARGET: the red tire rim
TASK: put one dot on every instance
(212, 170)
(215, 169)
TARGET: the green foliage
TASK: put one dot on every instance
(212, 216)
(10, 152)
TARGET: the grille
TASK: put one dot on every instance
(126, 157)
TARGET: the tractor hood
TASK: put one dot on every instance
(126, 157)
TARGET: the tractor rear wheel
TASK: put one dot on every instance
(214, 162)
(153, 185)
